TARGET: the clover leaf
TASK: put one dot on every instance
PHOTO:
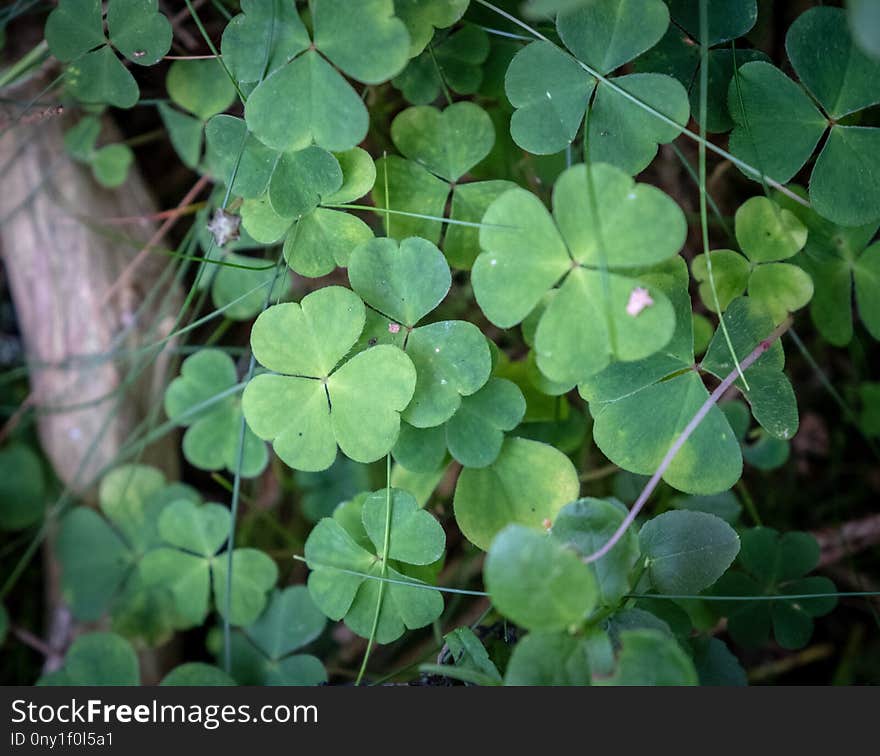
(586, 525)
(423, 16)
(75, 35)
(841, 261)
(344, 552)
(97, 659)
(23, 487)
(559, 595)
(678, 53)
(590, 320)
(650, 657)
(551, 91)
(213, 434)
(454, 60)
(551, 658)
(527, 484)
(441, 147)
(668, 388)
(778, 126)
(686, 551)
(315, 399)
(403, 282)
(202, 89)
(263, 652)
(364, 40)
(109, 164)
(770, 564)
(767, 234)
(188, 564)
(191, 674)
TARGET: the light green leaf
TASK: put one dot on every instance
(411, 189)
(536, 582)
(651, 657)
(449, 142)
(766, 232)
(358, 176)
(200, 87)
(415, 535)
(110, 164)
(233, 151)
(423, 16)
(138, 30)
(550, 92)
(404, 281)
(199, 528)
(781, 288)
(527, 484)
(301, 179)
(461, 244)
(253, 575)
(557, 659)
(323, 240)
(731, 272)
(291, 621)
(99, 77)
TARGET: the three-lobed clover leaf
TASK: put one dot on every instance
(202, 89)
(767, 235)
(439, 148)
(841, 261)
(771, 564)
(422, 17)
(214, 431)
(527, 484)
(403, 282)
(191, 674)
(454, 60)
(264, 653)
(315, 399)
(590, 321)
(778, 126)
(301, 97)
(192, 567)
(347, 550)
(668, 388)
(551, 90)
(678, 53)
(75, 35)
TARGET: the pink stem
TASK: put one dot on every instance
(680, 441)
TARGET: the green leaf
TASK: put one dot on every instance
(781, 288)
(193, 674)
(625, 134)
(186, 577)
(138, 30)
(74, 28)
(844, 184)
(776, 126)
(130, 497)
(22, 487)
(251, 667)
(99, 77)
(291, 621)
(366, 40)
(452, 360)
(301, 180)
(550, 92)
(200, 529)
(415, 536)
(211, 441)
(286, 113)
(200, 87)
(185, 133)
(651, 657)
(608, 33)
(449, 142)
(423, 16)
(110, 164)
(367, 393)
(404, 281)
(461, 244)
(263, 38)
(254, 573)
(332, 547)
(536, 582)
(731, 273)
(323, 240)
(232, 151)
(687, 551)
(587, 525)
(411, 189)
(766, 232)
(557, 659)
(709, 461)
(97, 659)
(420, 450)
(358, 176)
(527, 484)
(475, 433)
(246, 281)
(727, 19)
(842, 78)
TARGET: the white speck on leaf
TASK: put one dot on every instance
(639, 299)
